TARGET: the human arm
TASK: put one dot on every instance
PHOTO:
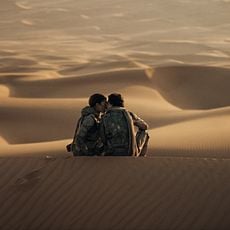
(137, 121)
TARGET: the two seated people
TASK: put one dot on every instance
(106, 128)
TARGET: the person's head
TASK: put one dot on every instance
(98, 102)
(115, 99)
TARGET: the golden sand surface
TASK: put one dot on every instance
(171, 62)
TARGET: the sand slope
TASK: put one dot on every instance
(168, 98)
(114, 193)
(170, 60)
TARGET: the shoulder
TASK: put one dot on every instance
(88, 120)
(133, 115)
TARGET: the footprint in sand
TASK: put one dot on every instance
(28, 181)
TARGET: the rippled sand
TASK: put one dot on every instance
(170, 60)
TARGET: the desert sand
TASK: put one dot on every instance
(171, 62)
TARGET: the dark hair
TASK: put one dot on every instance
(96, 98)
(115, 99)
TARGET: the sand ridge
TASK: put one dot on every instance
(64, 193)
(180, 103)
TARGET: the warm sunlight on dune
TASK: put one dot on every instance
(169, 60)
(4, 91)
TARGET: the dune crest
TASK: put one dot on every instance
(23, 5)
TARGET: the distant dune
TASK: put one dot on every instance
(194, 87)
(47, 109)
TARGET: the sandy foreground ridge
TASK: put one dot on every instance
(170, 60)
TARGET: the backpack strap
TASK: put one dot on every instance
(69, 147)
(132, 141)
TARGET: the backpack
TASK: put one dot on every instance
(118, 132)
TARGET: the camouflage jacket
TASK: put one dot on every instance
(87, 140)
(117, 132)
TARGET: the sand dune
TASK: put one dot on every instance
(183, 86)
(54, 118)
(142, 193)
(195, 137)
(170, 60)
(38, 149)
(49, 107)
(194, 87)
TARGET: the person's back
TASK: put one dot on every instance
(87, 135)
(117, 130)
